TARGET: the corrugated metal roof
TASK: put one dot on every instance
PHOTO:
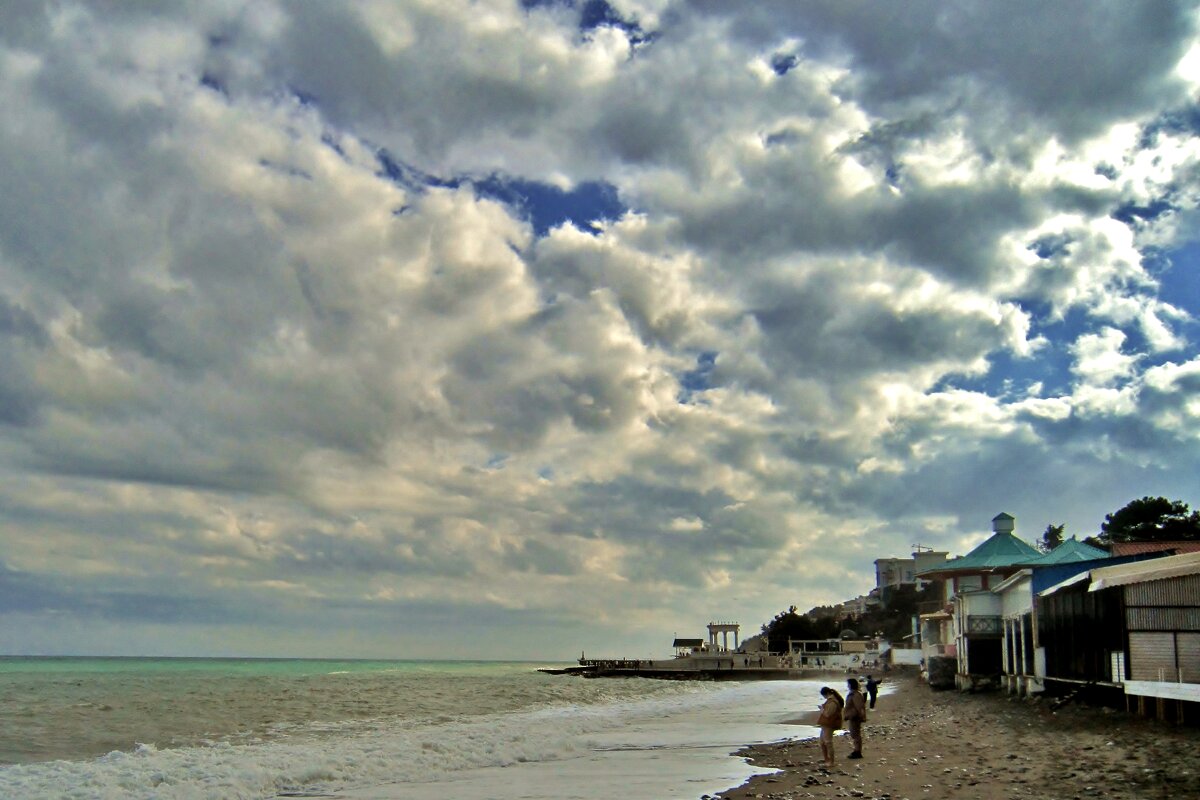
(1069, 551)
(1000, 550)
(1132, 548)
(1156, 569)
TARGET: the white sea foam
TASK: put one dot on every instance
(660, 742)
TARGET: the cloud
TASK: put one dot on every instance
(488, 315)
(1100, 360)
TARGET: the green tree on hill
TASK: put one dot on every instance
(893, 619)
(792, 625)
(1151, 519)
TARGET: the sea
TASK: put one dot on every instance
(228, 729)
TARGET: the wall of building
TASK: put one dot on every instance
(1080, 630)
(1163, 620)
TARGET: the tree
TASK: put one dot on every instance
(787, 625)
(1052, 537)
(1151, 519)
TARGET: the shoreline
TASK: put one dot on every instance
(919, 743)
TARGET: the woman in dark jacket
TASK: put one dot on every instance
(855, 715)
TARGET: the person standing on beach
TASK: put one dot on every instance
(856, 715)
(872, 689)
(829, 721)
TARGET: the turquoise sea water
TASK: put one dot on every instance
(255, 728)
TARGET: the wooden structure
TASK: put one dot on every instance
(1134, 627)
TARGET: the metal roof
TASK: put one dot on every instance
(1156, 569)
(688, 643)
(1152, 569)
(1130, 548)
(1001, 549)
(1070, 550)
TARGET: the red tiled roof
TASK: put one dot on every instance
(1135, 548)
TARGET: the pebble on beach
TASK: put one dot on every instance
(922, 745)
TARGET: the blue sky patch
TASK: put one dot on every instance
(407, 175)
(596, 14)
(698, 379)
(547, 206)
(783, 63)
(1180, 278)
(1184, 120)
(1132, 213)
(544, 205)
(1051, 245)
(1011, 374)
(211, 81)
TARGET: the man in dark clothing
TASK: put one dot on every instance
(872, 689)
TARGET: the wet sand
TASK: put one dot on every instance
(921, 744)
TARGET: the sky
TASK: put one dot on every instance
(518, 328)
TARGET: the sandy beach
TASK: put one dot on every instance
(919, 743)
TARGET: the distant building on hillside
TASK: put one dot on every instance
(892, 572)
(856, 607)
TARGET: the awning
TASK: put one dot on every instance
(937, 615)
(1155, 569)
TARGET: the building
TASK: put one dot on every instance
(892, 572)
(969, 626)
(1022, 656)
(1133, 627)
(836, 654)
(856, 607)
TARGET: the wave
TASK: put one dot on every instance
(317, 760)
(326, 761)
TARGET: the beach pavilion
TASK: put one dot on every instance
(1023, 657)
(969, 626)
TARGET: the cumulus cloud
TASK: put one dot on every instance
(533, 322)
